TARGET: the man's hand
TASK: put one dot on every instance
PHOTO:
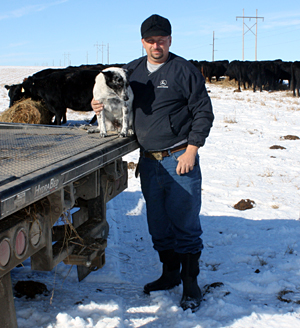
(97, 106)
(186, 161)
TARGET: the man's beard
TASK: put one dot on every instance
(158, 55)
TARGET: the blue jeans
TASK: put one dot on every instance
(173, 204)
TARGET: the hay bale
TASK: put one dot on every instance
(27, 111)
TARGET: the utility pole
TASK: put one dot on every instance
(108, 53)
(213, 47)
(99, 46)
(66, 56)
(97, 49)
(102, 45)
(250, 29)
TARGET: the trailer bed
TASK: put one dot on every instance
(37, 160)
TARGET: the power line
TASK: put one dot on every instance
(279, 33)
(277, 44)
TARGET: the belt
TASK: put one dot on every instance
(159, 155)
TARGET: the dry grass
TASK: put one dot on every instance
(230, 120)
(268, 173)
(224, 83)
(27, 111)
(262, 262)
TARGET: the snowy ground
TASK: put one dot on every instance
(250, 267)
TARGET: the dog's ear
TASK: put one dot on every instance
(108, 75)
(129, 72)
(7, 87)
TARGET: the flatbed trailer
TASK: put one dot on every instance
(46, 172)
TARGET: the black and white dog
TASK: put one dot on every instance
(112, 89)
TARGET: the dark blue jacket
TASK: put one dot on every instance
(170, 104)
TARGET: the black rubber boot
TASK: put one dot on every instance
(171, 273)
(192, 296)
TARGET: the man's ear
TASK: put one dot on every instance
(143, 42)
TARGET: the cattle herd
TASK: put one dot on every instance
(268, 74)
(72, 87)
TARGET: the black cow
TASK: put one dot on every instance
(206, 69)
(17, 92)
(199, 65)
(272, 73)
(262, 74)
(296, 78)
(269, 74)
(62, 90)
(211, 69)
(219, 68)
(255, 75)
(238, 70)
(285, 72)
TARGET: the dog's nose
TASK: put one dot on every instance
(126, 98)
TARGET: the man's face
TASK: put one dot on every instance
(157, 48)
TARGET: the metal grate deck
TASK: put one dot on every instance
(25, 149)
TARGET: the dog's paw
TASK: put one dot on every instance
(103, 134)
(130, 132)
(123, 133)
(84, 127)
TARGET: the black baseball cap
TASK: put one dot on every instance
(155, 25)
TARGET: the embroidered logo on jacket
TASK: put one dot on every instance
(163, 84)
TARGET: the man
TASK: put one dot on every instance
(173, 117)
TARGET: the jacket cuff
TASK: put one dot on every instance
(198, 143)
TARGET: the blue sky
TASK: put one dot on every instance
(67, 32)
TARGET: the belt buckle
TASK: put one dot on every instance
(157, 155)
